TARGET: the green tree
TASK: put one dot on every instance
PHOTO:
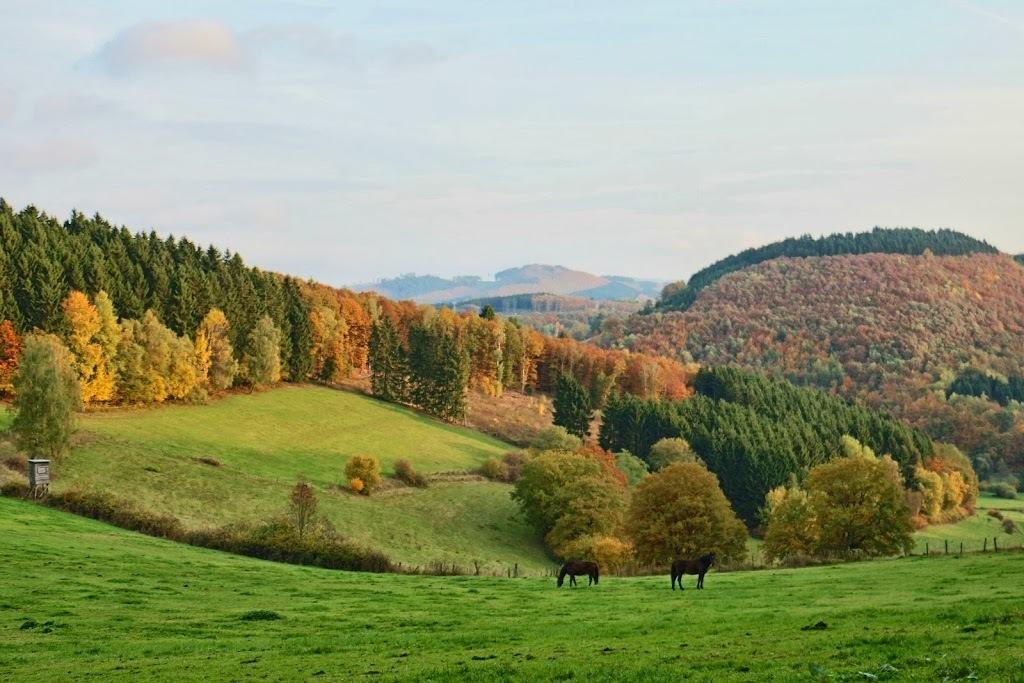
(633, 467)
(566, 496)
(572, 406)
(669, 451)
(46, 395)
(859, 507)
(388, 364)
(680, 512)
(262, 360)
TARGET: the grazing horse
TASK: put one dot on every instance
(574, 569)
(699, 567)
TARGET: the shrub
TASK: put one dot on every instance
(405, 473)
(16, 463)
(302, 506)
(280, 542)
(555, 439)
(356, 484)
(367, 469)
(1009, 526)
(996, 514)
(680, 511)
(1002, 489)
(514, 461)
(494, 469)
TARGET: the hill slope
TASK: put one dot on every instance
(264, 442)
(79, 599)
(530, 279)
(890, 329)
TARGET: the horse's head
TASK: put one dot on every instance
(710, 559)
(561, 579)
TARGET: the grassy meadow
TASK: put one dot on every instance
(265, 441)
(82, 600)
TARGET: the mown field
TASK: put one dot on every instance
(977, 532)
(80, 600)
(264, 442)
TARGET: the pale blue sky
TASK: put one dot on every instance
(349, 141)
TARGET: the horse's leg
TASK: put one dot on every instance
(572, 579)
(700, 581)
(673, 579)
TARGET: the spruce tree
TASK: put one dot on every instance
(572, 406)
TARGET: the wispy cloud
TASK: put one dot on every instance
(49, 156)
(196, 43)
(1014, 24)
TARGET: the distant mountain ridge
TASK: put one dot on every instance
(533, 278)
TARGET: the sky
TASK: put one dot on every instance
(352, 141)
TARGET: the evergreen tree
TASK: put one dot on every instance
(388, 363)
(261, 364)
(572, 406)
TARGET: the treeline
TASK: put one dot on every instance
(911, 241)
(974, 382)
(146, 319)
(756, 433)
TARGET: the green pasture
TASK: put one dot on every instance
(80, 600)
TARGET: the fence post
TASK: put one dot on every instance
(946, 541)
(995, 544)
(517, 570)
(961, 547)
(984, 545)
(927, 551)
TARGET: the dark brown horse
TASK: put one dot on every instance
(699, 567)
(574, 569)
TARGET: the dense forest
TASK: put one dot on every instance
(757, 433)
(148, 319)
(911, 241)
(974, 382)
(891, 330)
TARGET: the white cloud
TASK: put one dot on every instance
(196, 43)
(48, 156)
(6, 106)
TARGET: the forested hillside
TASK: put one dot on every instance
(147, 319)
(756, 433)
(892, 330)
(911, 241)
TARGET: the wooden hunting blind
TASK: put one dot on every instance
(38, 473)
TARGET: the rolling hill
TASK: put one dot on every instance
(890, 329)
(530, 279)
(80, 599)
(235, 460)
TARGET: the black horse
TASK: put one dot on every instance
(574, 569)
(699, 567)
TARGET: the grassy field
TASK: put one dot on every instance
(975, 532)
(81, 600)
(265, 441)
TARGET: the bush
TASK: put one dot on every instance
(281, 542)
(555, 439)
(405, 473)
(356, 485)
(366, 469)
(494, 469)
(1009, 526)
(514, 461)
(1002, 489)
(997, 514)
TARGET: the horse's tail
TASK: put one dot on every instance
(597, 573)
